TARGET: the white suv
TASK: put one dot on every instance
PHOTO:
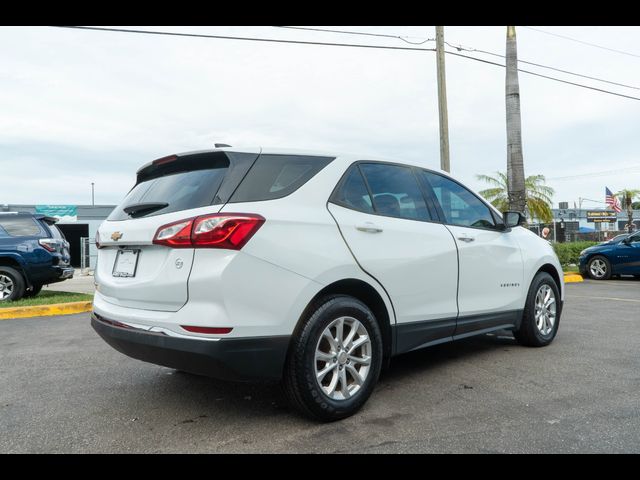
(313, 269)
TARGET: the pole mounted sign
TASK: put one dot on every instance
(65, 213)
(601, 216)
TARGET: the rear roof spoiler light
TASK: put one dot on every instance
(163, 160)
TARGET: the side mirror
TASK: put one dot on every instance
(513, 219)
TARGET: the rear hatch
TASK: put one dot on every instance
(131, 270)
(57, 245)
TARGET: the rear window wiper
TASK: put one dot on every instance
(143, 208)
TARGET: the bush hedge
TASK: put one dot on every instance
(569, 252)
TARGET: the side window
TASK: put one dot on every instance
(395, 191)
(20, 226)
(353, 192)
(276, 176)
(459, 205)
(634, 239)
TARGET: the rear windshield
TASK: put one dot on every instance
(276, 176)
(55, 232)
(20, 226)
(181, 191)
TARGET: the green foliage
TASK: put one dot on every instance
(626, 197)
(538, 194)
(570, 251)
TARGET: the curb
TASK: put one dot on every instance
(572, 278)
(45, 310)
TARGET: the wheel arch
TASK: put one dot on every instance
(11, 261)
(551, 270)
(368, 295)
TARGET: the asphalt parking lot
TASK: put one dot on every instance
(62, 389)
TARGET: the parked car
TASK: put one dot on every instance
(33, 253)
(313, 269)
(619, 256)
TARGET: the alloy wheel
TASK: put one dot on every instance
(6, 287)
(343, 358)
(598, 268)
(545, 309)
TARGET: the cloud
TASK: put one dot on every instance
(79, 106)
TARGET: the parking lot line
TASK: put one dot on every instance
(607, 298)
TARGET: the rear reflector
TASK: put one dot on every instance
(210, 330)
(223, 230)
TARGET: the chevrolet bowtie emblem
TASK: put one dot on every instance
(115, 236)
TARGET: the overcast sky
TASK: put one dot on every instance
(83, 106)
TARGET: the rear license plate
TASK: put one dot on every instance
(126, 263)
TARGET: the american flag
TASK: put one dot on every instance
(612, 200)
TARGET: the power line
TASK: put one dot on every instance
(300, 42)
(468, 49)
(369, 34)
(253, 39)
(547, 77)
(583, 42)
(595, 174)
(460, 47)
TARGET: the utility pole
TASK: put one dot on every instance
(93, 202)
(442, 101)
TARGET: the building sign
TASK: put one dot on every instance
(601, 216)
(65, 213)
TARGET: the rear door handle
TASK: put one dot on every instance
(466, 238)
(368, 227)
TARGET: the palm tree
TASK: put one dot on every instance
(516, 192)
(627, 197)
(538, 195)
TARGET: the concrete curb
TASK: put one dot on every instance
(572, 278)
(45, 310)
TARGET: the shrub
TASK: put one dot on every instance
(569, 252)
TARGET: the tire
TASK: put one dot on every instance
(603, 263)
(529, 334)
(35, 290)
(300, 383)
(11, 280)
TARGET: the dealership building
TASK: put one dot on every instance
(77, 222)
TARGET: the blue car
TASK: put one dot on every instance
(33, 253)
(618, 256)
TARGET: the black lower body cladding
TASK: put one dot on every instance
(237, 359)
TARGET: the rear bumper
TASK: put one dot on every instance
(66, 273)
(239, 359)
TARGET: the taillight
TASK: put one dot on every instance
(223, 230)
(209, 330)
(177, 234)
(98, 244)
(49, 244)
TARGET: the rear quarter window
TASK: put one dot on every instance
(276, 176)
(20, 226)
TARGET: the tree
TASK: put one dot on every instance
(515, 165)
(538, 195)
(626, 199)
